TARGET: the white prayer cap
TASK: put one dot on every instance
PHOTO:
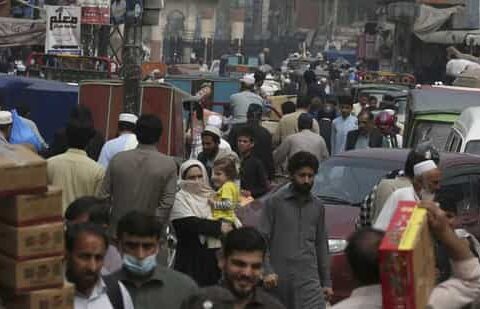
(248, 79)
(423, 167)
(130, 118)
(213, 130)
(215, 121)
(5, 118)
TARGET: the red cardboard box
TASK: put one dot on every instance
(407, 259)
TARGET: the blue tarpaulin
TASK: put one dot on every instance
(332, 55)
(50, 102)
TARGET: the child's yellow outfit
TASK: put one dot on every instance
(227, 199)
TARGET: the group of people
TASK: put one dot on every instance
(119, 197)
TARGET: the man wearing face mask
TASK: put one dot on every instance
(293, 224)
(426, 183)
(151, 286)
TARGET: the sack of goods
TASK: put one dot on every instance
(32, 234)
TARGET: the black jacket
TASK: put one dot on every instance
(376, 139)
(253, 177)
(263, 148)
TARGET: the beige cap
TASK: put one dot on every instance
(213, 130)
(248, 79)
(5, 118)
(125, 117)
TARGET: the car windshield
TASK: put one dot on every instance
(357, 174)
(473, 147)
(430, 131)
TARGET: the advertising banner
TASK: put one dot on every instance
(95, 12)
(63, 30)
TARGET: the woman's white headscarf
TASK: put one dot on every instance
(192, 198)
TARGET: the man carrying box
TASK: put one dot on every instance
(363, 256)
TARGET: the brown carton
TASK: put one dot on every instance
(20, 277)
(30, 209)
(30, 242)
(21, 171)
(61, 298)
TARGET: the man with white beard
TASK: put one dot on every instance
(426, 183)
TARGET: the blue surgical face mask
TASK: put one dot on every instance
(140, 267)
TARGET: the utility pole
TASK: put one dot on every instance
(132, 59)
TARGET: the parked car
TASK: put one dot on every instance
(431, 111)
(465, 132)
(344, 180)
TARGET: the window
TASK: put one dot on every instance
(430, 131)
(473, 147)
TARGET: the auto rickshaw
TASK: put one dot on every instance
(431, 111)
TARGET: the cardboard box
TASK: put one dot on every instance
(21, 171)
(21, 277)
(30, 242)
(407, 260)
(30, 209)
(61, 298)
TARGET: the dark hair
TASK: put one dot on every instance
(302, 159)
(259, 76)
(305, 122)
(148, 129)
(81, 206)
(74, 231)
(79, 133)
(368, 113)
(362, 255)
(447, 201)
(126, 126)
(226, 165)
(303, 102)
(139, 224)
(255, 112)
(82, 114)
(345, 100)
(245, 239)
(288, 108)
(331, 99)
(216, 138)
(100, 213)
(328, 112)
(23, 109)
(309, 76)
(421, 153)
(246, 132)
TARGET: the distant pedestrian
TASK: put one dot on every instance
(263, 148)
(288, 125)
(253, 177)
(239, 102)
(73, 171)
(325, 120)
(151, 285)
(288, 108)
(211, 139)
(126, 140)
(366, 136)
(342, 125)
(143, 178)
(305, 140)
(96, 140)
(293, 223)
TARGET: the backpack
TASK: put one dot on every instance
(114, 292)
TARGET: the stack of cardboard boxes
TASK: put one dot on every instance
(31, 234)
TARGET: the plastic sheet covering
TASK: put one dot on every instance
(430, 20)
(21, 32)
